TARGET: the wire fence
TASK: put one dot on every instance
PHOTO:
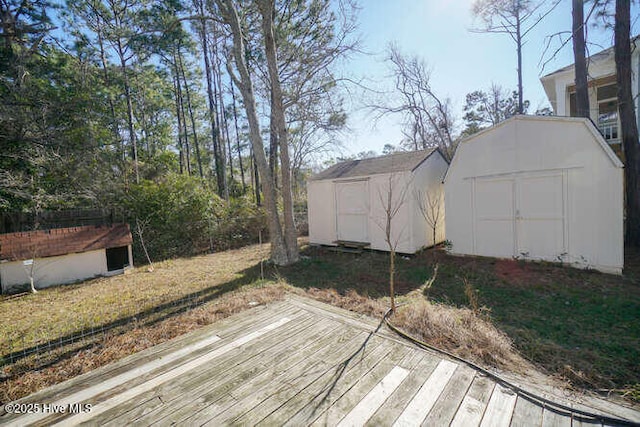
(158, 310)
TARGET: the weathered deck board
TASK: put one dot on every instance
(555, 419)
(214, 389)
(500, 408)
(421, 404)
(249, 362)
(326, 391)
(278, 398)
(392, 408)
(296, 362)
(445, 408)
(270, 403)
(526, 413)
(133, 392)
(359, 388)
(474, 403)
(312, 400)
(281, 380)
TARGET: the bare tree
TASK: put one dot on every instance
(628, 125)
(229, 13)
(579, 56)
(516, 18)
(267, 10)
(429, 120)
(392, 197)
(430, 204)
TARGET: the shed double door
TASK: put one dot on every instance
(522, 216)
(352, 211)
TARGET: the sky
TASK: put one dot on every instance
(460, 61)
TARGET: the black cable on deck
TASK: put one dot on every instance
(540, 400)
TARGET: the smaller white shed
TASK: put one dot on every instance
(63, 255)
(346, 202)
(539, 188)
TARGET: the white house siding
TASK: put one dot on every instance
(54, 270)
(505, 187)
(556, 84)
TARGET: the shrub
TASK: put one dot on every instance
(174, 215)
(181, 215)
(239, 223)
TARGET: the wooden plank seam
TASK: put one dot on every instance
(368, 406)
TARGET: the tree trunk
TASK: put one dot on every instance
(519, 49)
(217, 89)
(267, 8)
(273, 144)
(179, 117)
(224, 125)
(127, 94)
(235, 121)
(191, 117)
(579, 56)
(255, 177)
(220, 181)
(392, 274)
(185, 138)
(628, 125)
(278, 249)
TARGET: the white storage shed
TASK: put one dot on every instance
(346, 203)
(538, 188)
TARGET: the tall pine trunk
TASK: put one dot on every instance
(628, 125)
(579, 56)
(219, 165)
(235, 122)
(215, 69)
(127, 94)
(191, 116)
(519, 51)
(179, 117)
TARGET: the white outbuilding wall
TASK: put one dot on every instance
(539, 188)
(352, 208)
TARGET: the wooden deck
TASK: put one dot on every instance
(296, 362)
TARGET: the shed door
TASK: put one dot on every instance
(539, 217)
(494, 217)
(352, 211)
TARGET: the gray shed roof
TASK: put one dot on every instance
(396, 162)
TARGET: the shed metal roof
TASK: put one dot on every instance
(62, 241)
(396, 162)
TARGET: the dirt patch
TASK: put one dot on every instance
(512, 271)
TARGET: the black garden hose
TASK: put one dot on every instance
(544, 402)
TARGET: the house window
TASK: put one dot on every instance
(608, 113)
(117, 258)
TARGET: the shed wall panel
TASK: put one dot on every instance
(568, 194)
(321, 211)
(56, 270)
(427, 185)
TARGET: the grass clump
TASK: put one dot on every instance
(460, 331)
